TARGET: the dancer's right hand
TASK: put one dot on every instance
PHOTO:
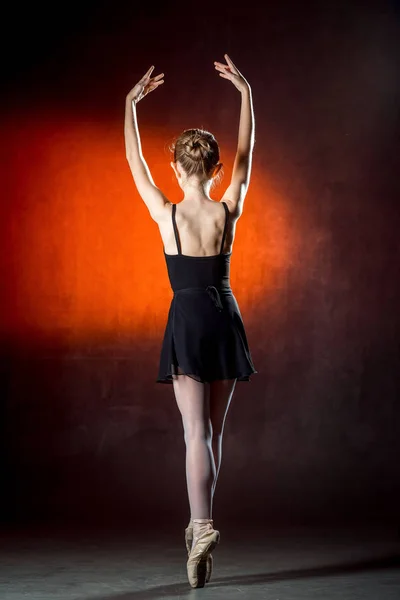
(229, 71)
(144, 86)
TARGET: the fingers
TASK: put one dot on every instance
(221, 67)
(152, 86)
(149, 72)
(151, 83)
(230, 63)
(225, 72)
(156, 81)
(228, 68)
(224, 68)
(146, 77)
(151, 80)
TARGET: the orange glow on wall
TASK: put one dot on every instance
(80, 252)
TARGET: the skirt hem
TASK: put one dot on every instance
(245, 377)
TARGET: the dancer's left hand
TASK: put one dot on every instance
(144, 86)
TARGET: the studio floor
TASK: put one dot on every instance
(135, 564)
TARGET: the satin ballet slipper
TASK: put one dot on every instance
(189, 542)
(201, 549)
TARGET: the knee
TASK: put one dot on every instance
(198, 432)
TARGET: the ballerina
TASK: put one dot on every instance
(205, 350)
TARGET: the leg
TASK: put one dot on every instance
(192, 398)
(221, 393)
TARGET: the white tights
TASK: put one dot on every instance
(203, 407)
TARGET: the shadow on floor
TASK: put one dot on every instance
(384, 562)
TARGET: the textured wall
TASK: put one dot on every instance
(85, 430)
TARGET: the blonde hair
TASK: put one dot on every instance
(197, 151)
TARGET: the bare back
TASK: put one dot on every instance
(200, 228)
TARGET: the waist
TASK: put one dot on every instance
(213, 291)
(199, 274)
(197, 288)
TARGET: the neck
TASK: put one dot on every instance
(197, 190)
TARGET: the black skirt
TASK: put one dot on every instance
(205, 337)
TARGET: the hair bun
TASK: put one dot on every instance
(197, 150)
(195, 144)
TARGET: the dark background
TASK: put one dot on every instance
(315, 436)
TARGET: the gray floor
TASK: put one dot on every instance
(293, 564)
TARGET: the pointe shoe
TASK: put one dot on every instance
(201, 550)
(189, 542)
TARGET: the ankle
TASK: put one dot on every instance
(202, 521)
(200, 527)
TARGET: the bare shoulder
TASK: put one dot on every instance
(164, 213)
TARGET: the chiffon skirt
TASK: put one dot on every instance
(205, 337)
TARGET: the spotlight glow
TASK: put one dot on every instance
(81, 254)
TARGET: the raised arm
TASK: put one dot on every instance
(149, 192)
(236, 192)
